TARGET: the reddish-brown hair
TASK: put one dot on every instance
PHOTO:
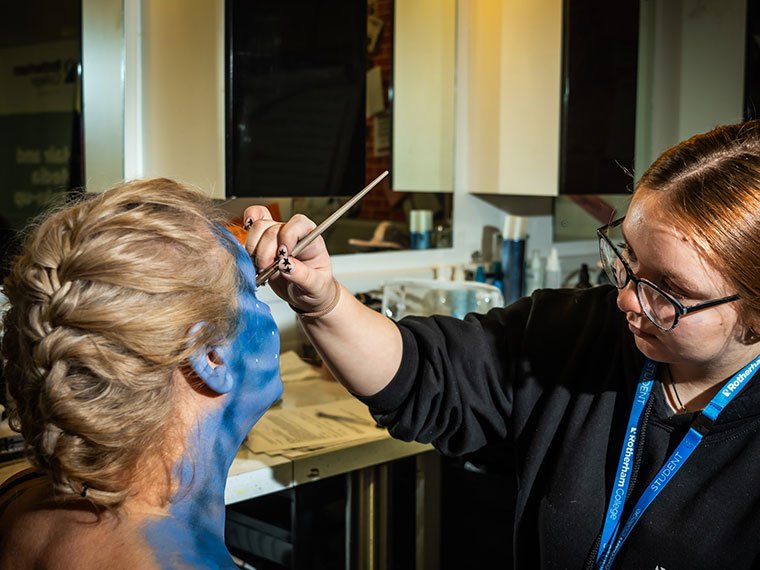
(709, 185)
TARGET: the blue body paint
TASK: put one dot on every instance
(192, 535)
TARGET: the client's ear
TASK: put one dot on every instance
(209, 366)
(214, 359)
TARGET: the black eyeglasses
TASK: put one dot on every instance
(660, 307)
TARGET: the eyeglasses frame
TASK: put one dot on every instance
(681, 309)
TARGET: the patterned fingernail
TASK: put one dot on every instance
(248, 224)
(285, 265)
(282, 252)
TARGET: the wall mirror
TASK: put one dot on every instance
(40, 111)
(321, 98)
(40, 102)
(393, 120)
(696, 61)
(57, 131)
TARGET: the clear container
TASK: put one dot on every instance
(425, 297)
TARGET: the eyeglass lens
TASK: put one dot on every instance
(658, 308)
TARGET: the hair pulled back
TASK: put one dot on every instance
(101, 302)
(709, 185)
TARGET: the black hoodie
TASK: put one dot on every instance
(553, 377)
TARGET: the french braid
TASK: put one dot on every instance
(101, 300)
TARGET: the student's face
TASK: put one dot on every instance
(659, 252)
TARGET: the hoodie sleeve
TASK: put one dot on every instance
(462, 383)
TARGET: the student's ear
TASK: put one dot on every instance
(211, 369)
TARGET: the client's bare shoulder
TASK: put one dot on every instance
(38, 531)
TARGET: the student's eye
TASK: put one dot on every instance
(627, 253)
(674, 291)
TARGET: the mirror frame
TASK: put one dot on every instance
(103, 92)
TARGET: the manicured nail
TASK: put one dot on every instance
(285, 265)
(282, 252)
(248, 224)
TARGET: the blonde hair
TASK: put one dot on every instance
(102, 299)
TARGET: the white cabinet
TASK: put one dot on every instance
(513, 95)
(423, 95)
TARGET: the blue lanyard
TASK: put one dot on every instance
(612, 536)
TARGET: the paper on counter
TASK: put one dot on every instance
(312, 426)
(294, 369)
(300, 452)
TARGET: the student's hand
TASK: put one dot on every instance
(307, 282)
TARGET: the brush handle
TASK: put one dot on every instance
(265, 274)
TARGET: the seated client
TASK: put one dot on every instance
(136, 358)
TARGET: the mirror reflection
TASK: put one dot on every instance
(40, 110)
(698, 63)
(40, 104)
(311, 107)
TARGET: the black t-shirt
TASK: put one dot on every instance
(553, 377)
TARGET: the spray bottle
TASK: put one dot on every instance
(553, 275)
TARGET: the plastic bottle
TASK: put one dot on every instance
(553, 275)
(513, 257)
(438, 300)
(584, 280)
(496, 276)
(459, 300)
(420, 229)
(534, 273)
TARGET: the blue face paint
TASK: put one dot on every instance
(192, 535)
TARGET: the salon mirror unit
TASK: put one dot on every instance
(61, 105)
(180, 61)
(698, 67)
(40, 106)
(321, 98)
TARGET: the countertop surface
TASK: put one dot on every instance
(253, 474)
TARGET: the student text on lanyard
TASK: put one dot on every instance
(612, 535)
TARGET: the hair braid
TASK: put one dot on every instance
(101, 301)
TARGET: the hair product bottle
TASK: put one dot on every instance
(534, 273)
(513, 256)
(553, 276)
(421, 228)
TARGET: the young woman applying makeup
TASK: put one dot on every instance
(631, 410)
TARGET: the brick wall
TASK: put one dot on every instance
(384, 204)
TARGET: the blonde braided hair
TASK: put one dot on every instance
(101, 300)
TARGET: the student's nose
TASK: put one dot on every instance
(628, 300)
